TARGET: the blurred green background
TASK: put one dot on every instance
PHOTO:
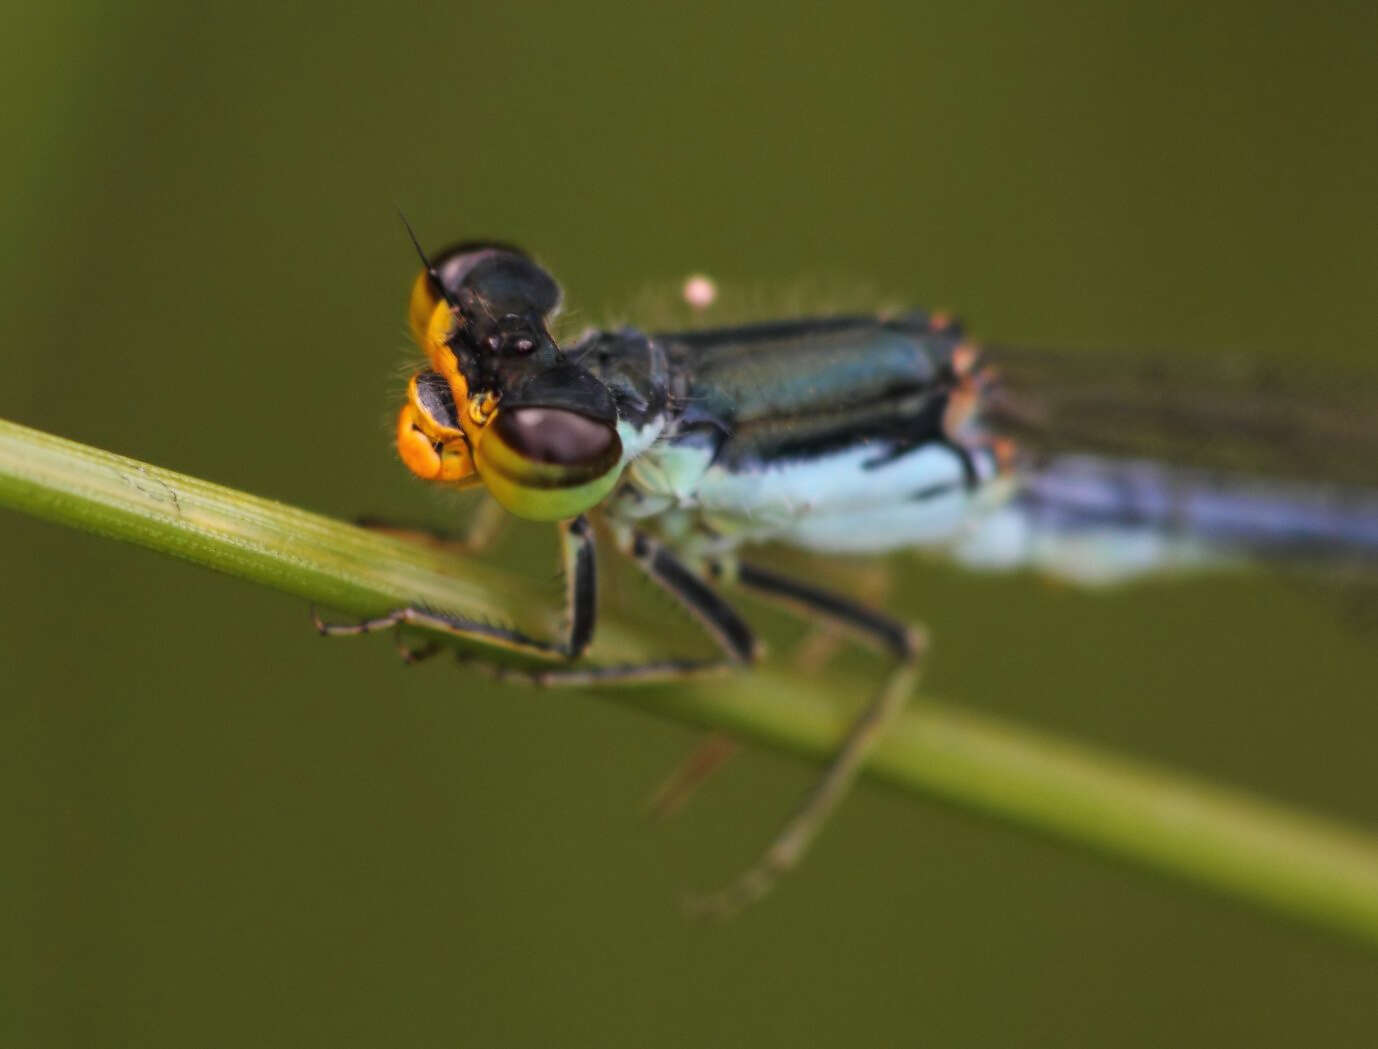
(222, 830)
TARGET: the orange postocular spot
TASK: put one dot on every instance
(1005, 451)
(961, 407)
(964, 359)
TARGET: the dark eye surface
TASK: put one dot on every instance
(500, 277)
(513, 284)
(559, 437)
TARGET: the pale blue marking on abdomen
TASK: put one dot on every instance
(1098, 520)
(852, 501)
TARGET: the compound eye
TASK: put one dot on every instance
(557, 437)
(546, 464)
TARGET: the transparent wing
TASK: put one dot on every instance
(1221, 413)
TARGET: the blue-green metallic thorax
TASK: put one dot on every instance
(831, 434)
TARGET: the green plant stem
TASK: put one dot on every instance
(1292, 862)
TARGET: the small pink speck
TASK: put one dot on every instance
(700, 292)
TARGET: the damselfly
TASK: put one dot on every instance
(855, 434)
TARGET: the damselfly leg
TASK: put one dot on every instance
(809, 657)
(905, 642)
(734, 638)
(739, 648)
(678, 787)
(480, 533)
(577, 550)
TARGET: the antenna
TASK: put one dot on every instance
(426, 262)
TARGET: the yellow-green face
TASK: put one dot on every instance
(541, 462)
(546, 464)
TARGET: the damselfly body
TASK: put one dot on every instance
(847, 434)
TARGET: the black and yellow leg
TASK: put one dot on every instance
(578, 552)
(890, 635)
(906, 643)
(577, 548)
(739, 648)
(717, 747)
(871, 585)
(719, 619)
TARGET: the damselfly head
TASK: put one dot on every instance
(537, 429)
